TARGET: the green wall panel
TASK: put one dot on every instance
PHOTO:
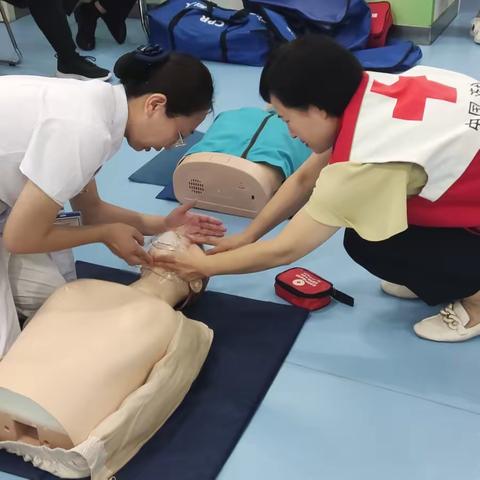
(413, 13)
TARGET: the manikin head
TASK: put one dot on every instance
(168, 285)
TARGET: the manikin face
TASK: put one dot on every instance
(149, 126)
(314, 127)
(173, 241)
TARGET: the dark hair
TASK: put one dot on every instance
(183, 79)
(312, 71)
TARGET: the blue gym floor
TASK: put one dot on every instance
(359, 396)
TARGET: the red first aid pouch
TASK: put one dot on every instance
(381, 22)
(305, 289)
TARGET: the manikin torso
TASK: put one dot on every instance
(89, 346)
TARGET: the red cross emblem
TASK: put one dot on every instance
(412, 93)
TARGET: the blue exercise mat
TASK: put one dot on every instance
(167, 193)
(251, 341)
(159, 170)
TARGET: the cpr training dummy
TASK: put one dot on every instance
(99, 369)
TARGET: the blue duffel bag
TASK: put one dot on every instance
(207, 31)
(347, 21)
(395, 56)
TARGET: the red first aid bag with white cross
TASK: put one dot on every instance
(305, 289)
(381, 23)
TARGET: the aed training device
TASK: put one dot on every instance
(225, 183)
(305, 289)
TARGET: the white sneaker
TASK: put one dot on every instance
(475, 29)
(448, 325)
(397, 290)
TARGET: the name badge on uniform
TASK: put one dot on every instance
(69, 219)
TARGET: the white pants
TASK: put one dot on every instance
(26, 281)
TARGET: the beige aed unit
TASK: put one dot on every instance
(225, 183)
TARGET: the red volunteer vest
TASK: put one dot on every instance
(426, 116)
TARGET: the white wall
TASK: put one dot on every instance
(440, 6)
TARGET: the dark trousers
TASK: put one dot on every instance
(120, 7)
(51, 18)
(440, 265)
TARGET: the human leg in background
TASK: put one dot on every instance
(112, 12)
(51, 18)
(114, 15)
(440, 265)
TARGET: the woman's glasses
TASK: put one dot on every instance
(180, 141)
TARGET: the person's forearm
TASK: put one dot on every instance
(54, 239)
(290, 197)
(299, 237)
(108, 213)
(284, 204)
(254, 257)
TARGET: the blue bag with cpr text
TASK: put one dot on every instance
(207, 31)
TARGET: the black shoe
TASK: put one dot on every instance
(86, 16)
(81, 68)
(116, 25)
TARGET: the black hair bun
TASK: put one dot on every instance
(136, 65)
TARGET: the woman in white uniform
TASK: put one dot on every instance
(56, 135)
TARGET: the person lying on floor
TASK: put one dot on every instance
(95, 342)
(403, 179)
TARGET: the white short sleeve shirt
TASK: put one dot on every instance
(57, 133)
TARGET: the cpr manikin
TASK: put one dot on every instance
(99, 369)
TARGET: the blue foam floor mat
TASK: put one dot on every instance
(159, 170)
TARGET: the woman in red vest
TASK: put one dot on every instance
(396, 164)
